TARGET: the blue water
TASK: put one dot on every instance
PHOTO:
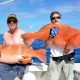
(41, 45)
(77, 55)
(1, 39)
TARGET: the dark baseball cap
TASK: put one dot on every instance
(12, 18)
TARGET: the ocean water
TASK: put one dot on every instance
(77, 55)
(41, 45)
(1, 39)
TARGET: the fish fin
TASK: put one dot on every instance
(25, 60)
(29, 38)
(41, 54)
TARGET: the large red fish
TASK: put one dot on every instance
(12, 53)
(67, 37)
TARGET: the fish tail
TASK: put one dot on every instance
(41, 54)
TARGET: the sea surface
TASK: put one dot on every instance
(37, 44)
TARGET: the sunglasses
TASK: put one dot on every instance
(9, 21)
(12, 19)
(53, 18)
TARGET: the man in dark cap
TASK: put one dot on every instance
(13, 36)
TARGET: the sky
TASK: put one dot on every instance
(33, 14)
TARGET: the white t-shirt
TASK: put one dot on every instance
(14, 38)
(56, 52)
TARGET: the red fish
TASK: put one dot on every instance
(12, 53)
(67, 37)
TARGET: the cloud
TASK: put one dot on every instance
(61, 8)
(34, 1)
(44, 11)
(5, 2)
(31, 15)
(67, 8)
(26, 15)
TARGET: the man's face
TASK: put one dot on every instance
(56, 19)
(12, 25)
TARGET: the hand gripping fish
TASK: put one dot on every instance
(20, 53)
(67, 37)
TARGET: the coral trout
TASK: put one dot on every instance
(67, 37)
(14, 53)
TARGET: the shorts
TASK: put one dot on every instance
(11, 71)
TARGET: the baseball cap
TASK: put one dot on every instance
(12, 18)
